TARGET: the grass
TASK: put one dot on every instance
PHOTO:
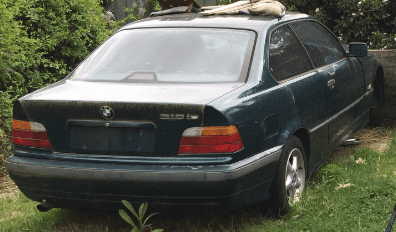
(353, 191)
(357, 194)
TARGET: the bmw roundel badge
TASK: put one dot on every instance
(106, 112)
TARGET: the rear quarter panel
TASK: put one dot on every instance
(267, 113)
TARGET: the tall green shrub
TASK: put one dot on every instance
(43, 40)
(15, 46)
(369, 21)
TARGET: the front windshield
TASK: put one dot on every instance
(170, 55)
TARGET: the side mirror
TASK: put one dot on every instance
(358, 49)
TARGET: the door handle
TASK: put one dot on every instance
(331, 83)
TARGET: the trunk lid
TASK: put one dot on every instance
(147, 119)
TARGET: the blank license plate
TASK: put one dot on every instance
(118, 139)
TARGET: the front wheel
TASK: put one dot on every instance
(289, 180)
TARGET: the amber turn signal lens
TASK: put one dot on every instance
(219, 130)
(216, 139)
(31, 134)
(22, 125)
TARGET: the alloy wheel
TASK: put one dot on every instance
(294, 176)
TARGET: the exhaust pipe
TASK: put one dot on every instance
(44, 207)
(351, 142)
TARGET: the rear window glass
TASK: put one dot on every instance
(170, 55)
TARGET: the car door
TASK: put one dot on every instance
(344, 82)
(290, 65)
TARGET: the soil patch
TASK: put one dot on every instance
(8, 189)
(374, 138)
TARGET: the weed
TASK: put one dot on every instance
(139, 216)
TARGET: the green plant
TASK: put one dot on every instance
(41, 41)
(139, 216)
(5, 151)
(369, 21)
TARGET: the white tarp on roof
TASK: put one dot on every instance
(263, 7)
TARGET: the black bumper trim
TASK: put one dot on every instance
(162, 173)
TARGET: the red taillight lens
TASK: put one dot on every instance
(218, 139)
(30, 134)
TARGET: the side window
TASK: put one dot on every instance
(287, 56)
(323, 48)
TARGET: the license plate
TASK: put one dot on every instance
(113, 139)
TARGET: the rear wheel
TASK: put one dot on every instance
(289, 180)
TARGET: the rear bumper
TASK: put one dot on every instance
(220, 187)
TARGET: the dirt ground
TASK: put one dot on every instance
(374, 138)
(8, 189)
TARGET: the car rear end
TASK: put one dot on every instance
(95, 163)
(129, 124)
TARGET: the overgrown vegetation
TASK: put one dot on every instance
(44, 40)
(40, 42)
(369, 21)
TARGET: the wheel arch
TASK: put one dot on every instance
(296, 127)
(303, 135)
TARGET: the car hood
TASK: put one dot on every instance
(133, 92)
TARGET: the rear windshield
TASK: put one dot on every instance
(170, 55)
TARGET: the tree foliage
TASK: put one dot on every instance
(369, 21)
(43, 40)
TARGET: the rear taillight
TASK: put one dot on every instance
(216, 139)
(30, 134)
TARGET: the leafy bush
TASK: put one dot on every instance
(43, 40)
(40, 42)
(369, 21)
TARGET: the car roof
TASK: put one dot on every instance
(235, 21)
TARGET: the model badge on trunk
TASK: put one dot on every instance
(178, 116)
(106, 112)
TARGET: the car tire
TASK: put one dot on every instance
(290, 176)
